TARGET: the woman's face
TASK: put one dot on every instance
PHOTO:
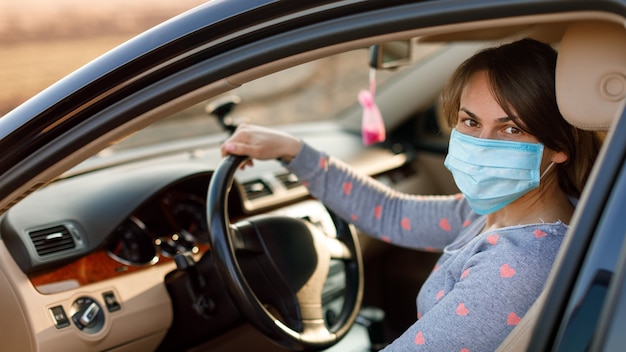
(481, 116)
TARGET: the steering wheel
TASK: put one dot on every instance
(275, 267)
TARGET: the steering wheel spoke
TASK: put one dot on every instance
(316, 330)
(244, 238)
(338, 249)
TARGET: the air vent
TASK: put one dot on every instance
(288, 180)
(256, 189)
(52, 240)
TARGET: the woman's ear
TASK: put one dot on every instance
(559, 157)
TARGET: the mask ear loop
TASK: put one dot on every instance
(372, 125)
(546, 170)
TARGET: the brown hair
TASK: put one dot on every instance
(521, 75)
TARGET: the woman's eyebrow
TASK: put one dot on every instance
(499, 120)
(469, 113)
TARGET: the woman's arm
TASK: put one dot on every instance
(421, 222)
(424, 222)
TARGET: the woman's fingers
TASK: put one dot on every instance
(261, 143)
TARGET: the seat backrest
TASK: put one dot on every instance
(591, 94)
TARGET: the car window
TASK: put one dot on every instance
(314, 91)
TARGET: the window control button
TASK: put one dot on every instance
(60, 319)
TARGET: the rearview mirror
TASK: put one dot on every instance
(391, 54)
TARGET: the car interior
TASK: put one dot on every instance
(110, 248)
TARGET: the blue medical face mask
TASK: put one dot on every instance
(493, 173)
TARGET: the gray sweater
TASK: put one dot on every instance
(482, 284)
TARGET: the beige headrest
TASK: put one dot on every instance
(591, 74)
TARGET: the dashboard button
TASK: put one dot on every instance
(60, 319)
(110, 301)
(87, 315)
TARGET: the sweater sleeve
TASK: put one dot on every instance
(413, 221)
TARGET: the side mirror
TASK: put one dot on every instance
(391, 54)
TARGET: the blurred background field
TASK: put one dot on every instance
(41, 41)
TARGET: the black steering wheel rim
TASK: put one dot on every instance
(223, 251)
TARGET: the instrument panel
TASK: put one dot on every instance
(175, 222)
(172, 221)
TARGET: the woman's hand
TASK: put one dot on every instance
(261, 143)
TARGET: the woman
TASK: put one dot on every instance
(519, 165)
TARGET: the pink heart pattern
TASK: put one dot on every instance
(506, 271)
(323, 163)
(378, 211)
(347, 188)
(419, 338)
(462, 310)
(439, 295)
(513, 319)
(444, 224)
(406, 224)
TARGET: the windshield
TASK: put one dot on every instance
(314, 91)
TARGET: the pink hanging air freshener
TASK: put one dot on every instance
(372, 126)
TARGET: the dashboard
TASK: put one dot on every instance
(135, 215)
(173, 221)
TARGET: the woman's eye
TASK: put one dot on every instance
(469, 122)
(512, 130)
